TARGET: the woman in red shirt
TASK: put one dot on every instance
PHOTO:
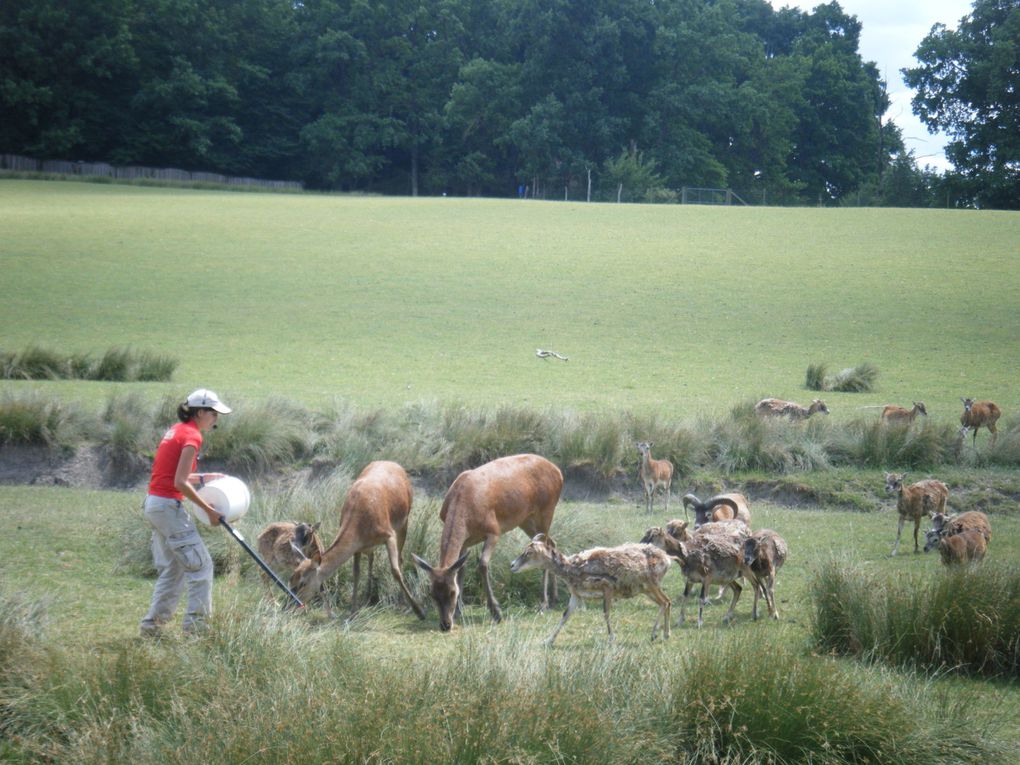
(178, 551)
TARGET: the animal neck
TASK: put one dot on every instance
(343, 549)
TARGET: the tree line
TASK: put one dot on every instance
(602, 99)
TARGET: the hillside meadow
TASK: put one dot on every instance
(680, 311)
(672, 313)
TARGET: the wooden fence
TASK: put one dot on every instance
(134, 172)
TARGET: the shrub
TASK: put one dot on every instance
(116, 365)
(967, 620)
(858, 379)
(265, 437)
(128, 432)
(32, 419)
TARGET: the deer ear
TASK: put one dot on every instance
(459, 562)
(422, 564)
(315, 526)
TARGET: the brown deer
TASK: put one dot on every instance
(654, 474)
(520, 491)
(898, 414)
(979, 414)
(910, 502)
(375, 512)
(283, 545)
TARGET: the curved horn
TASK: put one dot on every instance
(721, 500)
(690, 499)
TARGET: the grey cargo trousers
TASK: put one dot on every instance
(181, 558)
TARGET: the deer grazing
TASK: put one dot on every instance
(776, 407)
(979, 414)
(910, 502)
(375, 512)
(602, 572)
(283, 545)
(481, 504)
(897, 414)
(654, 474)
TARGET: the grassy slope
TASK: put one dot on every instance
(679, 310)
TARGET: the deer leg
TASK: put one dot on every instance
(770, 593)
(917, 526)
(666, 513)
(683, 602)
(483, 566)
(702, 600)
(736, 596)
(355, 575)
(758, 588)
(393, 549)
(899, 530)
(571, 605)
(607, 602)
(662, 600)
(460, 590)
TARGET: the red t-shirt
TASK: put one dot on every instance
(168, 454)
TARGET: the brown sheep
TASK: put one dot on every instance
(602, 572)
(765, 553)
(776, 407)
(283, 545)
(910, 502)
(898, 414)
(721, 507)
(980, 414)
(969, 546)
(948, 525)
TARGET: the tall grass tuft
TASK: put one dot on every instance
(33, 419)
(593, 445)
(115, 365)
(814, 378)
(874, 443)
(128, 433)
(264, 437)
(858, 379)
(966, 620)
(749, 443)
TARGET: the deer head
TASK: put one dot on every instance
(445, 588)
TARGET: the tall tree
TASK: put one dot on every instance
(968, 85)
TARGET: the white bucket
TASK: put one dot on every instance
(229, 495)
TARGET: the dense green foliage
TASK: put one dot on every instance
(966, 620)
(455, 96)
(967, 83)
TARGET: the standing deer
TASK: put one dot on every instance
(654, 474)
(979, 414)
(375, 512)
(893, 413)
(910, 502)
(520, 491)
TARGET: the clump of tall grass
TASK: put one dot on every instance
(874, 443)
(33, 419)
(128, 432)
(858, 379)
(966, 619)
(747, 442)
(115, 365)
(594, 445)
(267, 436)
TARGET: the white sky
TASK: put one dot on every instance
(891, 30)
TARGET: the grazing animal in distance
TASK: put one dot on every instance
(283, 545)
(947, 525)
(654, 474)
(602, 572)
(721, 507)
(776, 407)
(898, 414)
(510, 492)
(765, 553)
(980, 414)
(968, 546)
(375, 511)
(910, 502)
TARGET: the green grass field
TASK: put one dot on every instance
(674, 312)
(680, 311)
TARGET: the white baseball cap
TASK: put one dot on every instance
(206, 399)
